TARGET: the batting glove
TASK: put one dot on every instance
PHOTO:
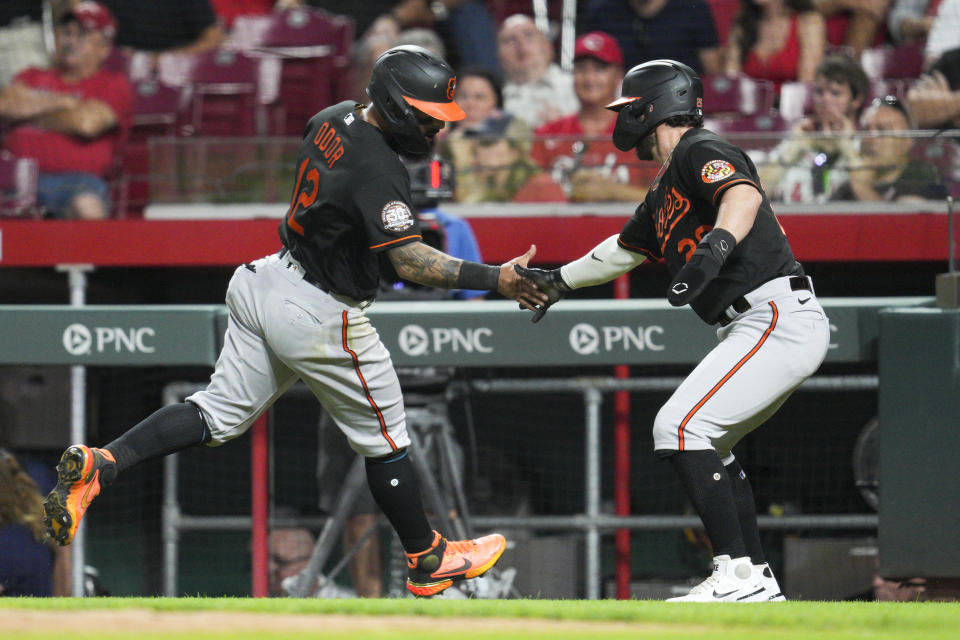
(549, 282)
(702, 267)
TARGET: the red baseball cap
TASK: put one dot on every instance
(92, 16)
(599, 45)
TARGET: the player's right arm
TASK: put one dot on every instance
(421, 263)
(605, 262)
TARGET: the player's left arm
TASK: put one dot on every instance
(421, 263)
(90, 118)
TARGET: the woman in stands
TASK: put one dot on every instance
(776, 40)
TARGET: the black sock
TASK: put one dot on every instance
(746, 511)
(708, 487)
(167, 430)
(393, 484)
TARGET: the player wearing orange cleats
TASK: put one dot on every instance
(449, 561)
(79, 475)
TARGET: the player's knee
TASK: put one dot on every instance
(390, 457)
(665, 431)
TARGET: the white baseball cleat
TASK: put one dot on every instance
(732, 580)
(771, 589)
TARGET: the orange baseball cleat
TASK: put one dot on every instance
(449, 561)
(78, 483)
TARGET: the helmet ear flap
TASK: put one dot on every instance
(631, 126)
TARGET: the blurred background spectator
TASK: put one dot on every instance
(682, 30)
(776, 40)
(71, 117)
(28, 566)
(167, 26)
(885, 170)
(811, 162)
(22, 42)
(944, 34)
(535, 89)
(290, 549)
(499, 167)
(854, 24)
(480, 95)
(910, 20)
(934, 99)
(466, 26)
(577, 150)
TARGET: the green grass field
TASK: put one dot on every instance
(109, 618)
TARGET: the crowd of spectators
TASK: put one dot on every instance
(536, 126)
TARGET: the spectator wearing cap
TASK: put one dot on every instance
(577, 149)
(681, 30)
(535, 89)
(71, 117)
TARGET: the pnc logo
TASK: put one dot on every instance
(77, 340)
(584, 339)
(414, 341)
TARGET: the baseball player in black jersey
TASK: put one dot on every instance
(300, 314)
(707, 216)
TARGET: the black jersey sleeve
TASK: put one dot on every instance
(638, 234)
(711, 166)
(387, 217)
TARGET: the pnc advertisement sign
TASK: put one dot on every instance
(110, 335)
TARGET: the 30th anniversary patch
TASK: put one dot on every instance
(396, 216)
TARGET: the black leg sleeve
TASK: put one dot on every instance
(394, 486)
(746, 511)
(167, 430)
(708, 487)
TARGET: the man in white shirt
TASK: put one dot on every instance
(535, 88)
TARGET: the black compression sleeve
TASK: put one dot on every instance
(474, 275)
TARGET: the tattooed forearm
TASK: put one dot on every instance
(421, 263)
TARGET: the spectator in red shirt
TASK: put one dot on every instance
(577, 149)
(71, 117)
(776, 40)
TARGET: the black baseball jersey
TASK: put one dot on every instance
(681, 207)
(351, 200)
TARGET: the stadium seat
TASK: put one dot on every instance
(758, 131)
(223, 87)
(736, 95)
(158, 111)
(887, 62)
(18, 186)
(312, 48)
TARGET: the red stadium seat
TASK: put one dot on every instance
(223, 87)
(758, 131)
(313, 48)
(158, 111)
(18, 186)
(736, 95)
(886, 62)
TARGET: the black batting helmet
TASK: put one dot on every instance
(408, 77)
(651, 93)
